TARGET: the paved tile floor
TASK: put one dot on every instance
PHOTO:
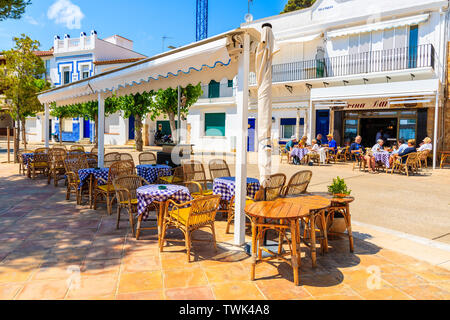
(51, 249)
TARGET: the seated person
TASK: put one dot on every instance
(401, 147)
(426, 145)
(303, 143)
(318, 150)
(289, 146)
(319, 140)
(370, 159)
(356, 147)
(332, 145)
(411, 148)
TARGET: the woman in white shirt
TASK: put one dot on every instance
(426, 145)
(321, 151)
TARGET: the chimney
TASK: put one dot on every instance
(56, 43)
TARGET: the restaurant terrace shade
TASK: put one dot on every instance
(263, 64)
(216, 58)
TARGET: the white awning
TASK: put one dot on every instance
(201, 62)
(383, 25)
(299, 39)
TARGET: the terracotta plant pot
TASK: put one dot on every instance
(338, 225)
(339, 195)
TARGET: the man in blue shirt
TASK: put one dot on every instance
(332, 145)
(356, 147)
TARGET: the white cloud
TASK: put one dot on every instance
(66, 13)
(31, 20)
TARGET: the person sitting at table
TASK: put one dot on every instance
(411, 148)
(426, 145)
(315, 148)
(289, 146)
(356, 147)
(401, 147)
(370, 159)
(319, 140)
(332, 144)
(303, 142)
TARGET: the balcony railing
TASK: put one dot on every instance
(363, 63)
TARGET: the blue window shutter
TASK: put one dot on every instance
(215, 124)
(289, 122)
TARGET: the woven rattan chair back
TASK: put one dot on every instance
(195, 171)
(119, 169)
(130, 183)
(92, 160)
(411, 160)
(41, 155)
(126, 157)
(218, 168)
(298, 183)
(147, 158)
(76, 163)
(110, 158)
(59, 146)
(203, 211)
(77, 147)
(56, 157)
(274, 187)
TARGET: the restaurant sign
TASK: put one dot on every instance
(367, 104)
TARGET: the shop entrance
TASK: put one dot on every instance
(370, 127)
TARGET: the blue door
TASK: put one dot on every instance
(86, 129)
(131, 130)
(251, 135)
(323, 124)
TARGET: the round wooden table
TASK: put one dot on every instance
(284, 214)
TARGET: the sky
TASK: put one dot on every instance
(143, 21)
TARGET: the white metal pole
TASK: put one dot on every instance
(310, 118)
(47, 125)
(101, 130)
(435, 135)
(179, 116)
(241, 143)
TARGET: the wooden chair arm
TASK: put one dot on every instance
(199, 186)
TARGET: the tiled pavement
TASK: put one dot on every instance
(50, 249)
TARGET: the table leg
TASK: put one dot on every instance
(348, 220)
(252, 275)
(324, 227)
(313, 239)
(294, 253)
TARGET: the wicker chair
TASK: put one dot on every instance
(94, 150)
(331, 156)
(147, 158)
(231, 208)
(57, 169)
(110, 158)
(77, 147)
(275, 187)
(359, 162)
(125, 188)
(126, 157)
(92, 160)
(117, 169)
(314, 157)
(177, 177)
(298, 184)
(343, 154)
(22, 165)
(39, 163)
(218, 168)
(72, 166)
(195, 178)
(284, 154)
(422, 158)
(407, 164)
(189, 217)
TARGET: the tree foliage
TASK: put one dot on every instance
(137, 105)
(12, 9)
(294, 5)
(21, 81)
(165, 103)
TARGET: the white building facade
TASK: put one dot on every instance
(74, 59)
(346, 67)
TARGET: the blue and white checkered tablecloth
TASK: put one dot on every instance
(151, 172)
(382, 156)
(84, 174)
(299, 152)
(225, 187)
(27, 157)
(148, 194)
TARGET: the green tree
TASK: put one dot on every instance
(64, 112)
(165, 103)
(20, 79)
(137, 105)
(293, 5)
(12, 9)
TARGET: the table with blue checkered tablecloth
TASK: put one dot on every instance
(149, 194)
(151, 172)
(225, 187)
(299, 152)
(383, 157)
(27, 157)
(84, 174)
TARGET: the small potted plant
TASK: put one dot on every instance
(338, 189)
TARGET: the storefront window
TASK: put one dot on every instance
(288, 127)
(351, 130)
(407, 129)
